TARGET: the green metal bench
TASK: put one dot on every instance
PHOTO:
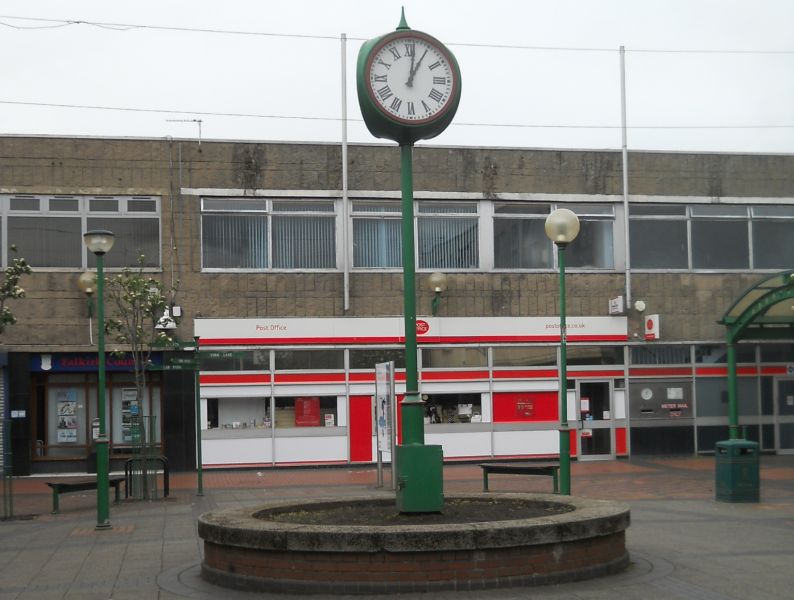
(80, 485)
(551, 469)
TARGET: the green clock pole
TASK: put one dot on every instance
(392, 93)
(413, 406)
(419, 468)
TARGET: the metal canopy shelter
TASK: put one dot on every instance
(763, 312)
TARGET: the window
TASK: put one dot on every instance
(658, 237)
(519, 236)
(594, 355)
(304, 235)
(65, 404)
(306, 411)
(239, 413)
(719, 237)
(712, 396)
(287, 360)
(782, 352)
(377, 235)
(260, 234)
(48, 230)
(653, 354)
(594, 246)
(718, 353)
(711, 237)
(772, 227)
(453, 408)
(134, 238)
(221, 360)
(452, 358)
(367, 359)
(448, 235)
(525, 356)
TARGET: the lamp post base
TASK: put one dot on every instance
(102, 483)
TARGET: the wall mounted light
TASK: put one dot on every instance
(86, 283)
(438, 285)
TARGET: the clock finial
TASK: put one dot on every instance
(403, 24)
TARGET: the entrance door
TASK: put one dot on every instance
(784, 416)
(595, 437)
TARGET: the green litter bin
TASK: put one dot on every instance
(738, 471)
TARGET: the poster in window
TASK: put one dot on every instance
(129, 410)
(66, 406)
(307, 412)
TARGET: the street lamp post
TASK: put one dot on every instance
(99, 242)
(562, 227)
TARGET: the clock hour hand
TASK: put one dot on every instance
(414, 68)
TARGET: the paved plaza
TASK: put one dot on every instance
(682, 543)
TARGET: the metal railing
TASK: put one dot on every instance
(142, 469)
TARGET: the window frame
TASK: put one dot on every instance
(752, 214)
(84, 213)
(266, 206)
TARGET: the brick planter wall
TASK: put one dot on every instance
(243, 552)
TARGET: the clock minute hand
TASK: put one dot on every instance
(414, 68)
(410, 81)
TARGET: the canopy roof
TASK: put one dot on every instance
(765, 311)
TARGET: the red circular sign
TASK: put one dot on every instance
(422, 327)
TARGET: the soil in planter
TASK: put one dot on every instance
(457, 510)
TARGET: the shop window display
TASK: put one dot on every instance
(453, 408)
(306, 411)
(66, 405)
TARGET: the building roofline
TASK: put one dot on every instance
(382, 144)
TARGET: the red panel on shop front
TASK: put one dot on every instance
(573, 444)
(620, 441)
(360, 428)
(525, 406)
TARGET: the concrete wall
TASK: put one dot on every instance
(53, 316)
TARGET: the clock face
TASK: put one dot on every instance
(411, 78)
(646, 393)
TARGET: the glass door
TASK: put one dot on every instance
(594, 407)
(784, 416)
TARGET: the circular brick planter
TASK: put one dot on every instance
(242, 551)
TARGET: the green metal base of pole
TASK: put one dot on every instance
(102, 487)
(565, 460)
(420, 479)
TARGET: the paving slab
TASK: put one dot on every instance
(683, 544)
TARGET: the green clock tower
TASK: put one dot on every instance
(409, 90)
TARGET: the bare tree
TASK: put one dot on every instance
(10, 289)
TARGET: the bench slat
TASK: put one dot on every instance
(548, 469)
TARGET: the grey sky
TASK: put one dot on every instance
(535, 74)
